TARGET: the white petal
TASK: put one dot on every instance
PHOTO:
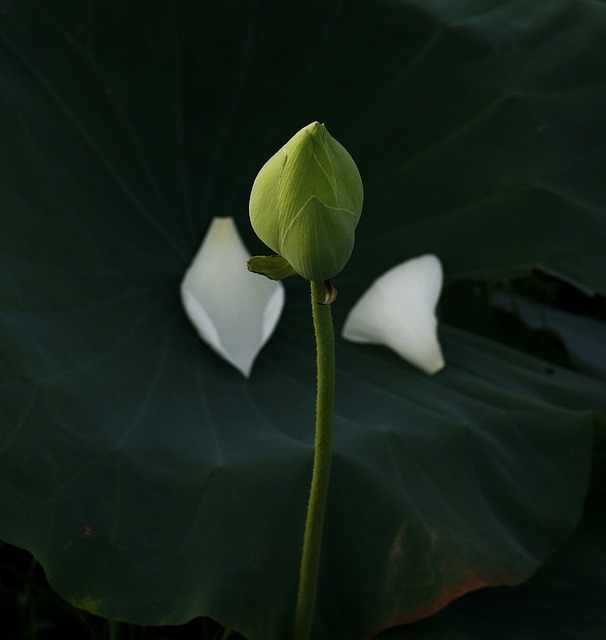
(398, 311)
(234, 311)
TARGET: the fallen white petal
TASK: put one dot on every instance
(398, 311)
(234, 311)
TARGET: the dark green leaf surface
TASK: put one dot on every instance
(152, 481)
(565, 600)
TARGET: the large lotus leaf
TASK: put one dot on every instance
(573, 578)
(565, 600)
(151, 480)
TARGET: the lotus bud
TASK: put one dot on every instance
(306, 202)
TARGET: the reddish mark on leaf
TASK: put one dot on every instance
(427, 567)
(474, 581)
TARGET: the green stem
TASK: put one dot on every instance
(312, 542)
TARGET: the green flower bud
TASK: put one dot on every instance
(306, 202)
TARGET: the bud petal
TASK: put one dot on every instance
(306, 203)
(306, 240)
(234, 311)
(398, 311)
